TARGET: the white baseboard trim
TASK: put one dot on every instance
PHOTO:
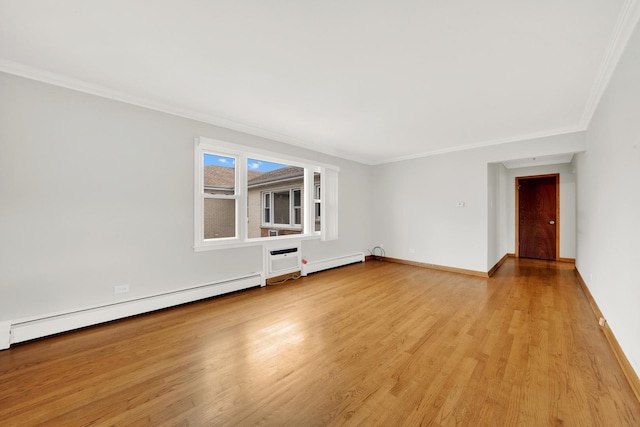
(325, 264)
(21, 330)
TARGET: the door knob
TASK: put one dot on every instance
(552, 222)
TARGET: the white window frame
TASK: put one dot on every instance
(329, 211)
(293, 207)
(317, 201)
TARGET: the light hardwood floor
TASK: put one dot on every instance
(367, 344)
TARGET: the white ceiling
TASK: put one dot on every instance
(373, 81)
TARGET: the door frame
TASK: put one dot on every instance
(557, 179)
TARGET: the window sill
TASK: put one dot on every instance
(212, 246)
(281, 227)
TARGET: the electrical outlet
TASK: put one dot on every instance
(121, 289)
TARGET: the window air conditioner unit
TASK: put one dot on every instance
(283, 261)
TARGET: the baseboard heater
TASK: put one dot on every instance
(325, 264)
(36, 327)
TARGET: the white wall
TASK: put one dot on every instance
(493, 223)
(415, 202)
(96, 193)
(608, 204)
(497, 200)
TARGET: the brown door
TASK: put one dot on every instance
(537, 216)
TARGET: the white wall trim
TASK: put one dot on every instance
(630, 14)
(488, 143)
(44, 76)
(25, 329)
(325, 264)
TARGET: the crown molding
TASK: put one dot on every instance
(625, 25)
(104, 92)
(627, 21)
(54, 79)
(488, 143)
(78, 85)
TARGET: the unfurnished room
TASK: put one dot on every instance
(278, 213)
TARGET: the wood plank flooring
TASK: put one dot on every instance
(375, 344)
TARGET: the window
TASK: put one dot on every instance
(274, 198)
(243, 195)
(220, 197)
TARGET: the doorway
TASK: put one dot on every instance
(537, 214)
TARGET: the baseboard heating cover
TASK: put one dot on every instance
(325, 264)
(36, 327)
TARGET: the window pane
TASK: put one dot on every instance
(317, 201)
(297, 207)
(281, 207)
(269, 198)
(267, 208)
(219, 218)
(317, 217)
(316, 184)
(219, 174)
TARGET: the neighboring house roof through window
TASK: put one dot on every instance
(223, 178)
(282, 174)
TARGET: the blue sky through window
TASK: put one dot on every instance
(252, 164)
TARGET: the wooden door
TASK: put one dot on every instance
(537, 216)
